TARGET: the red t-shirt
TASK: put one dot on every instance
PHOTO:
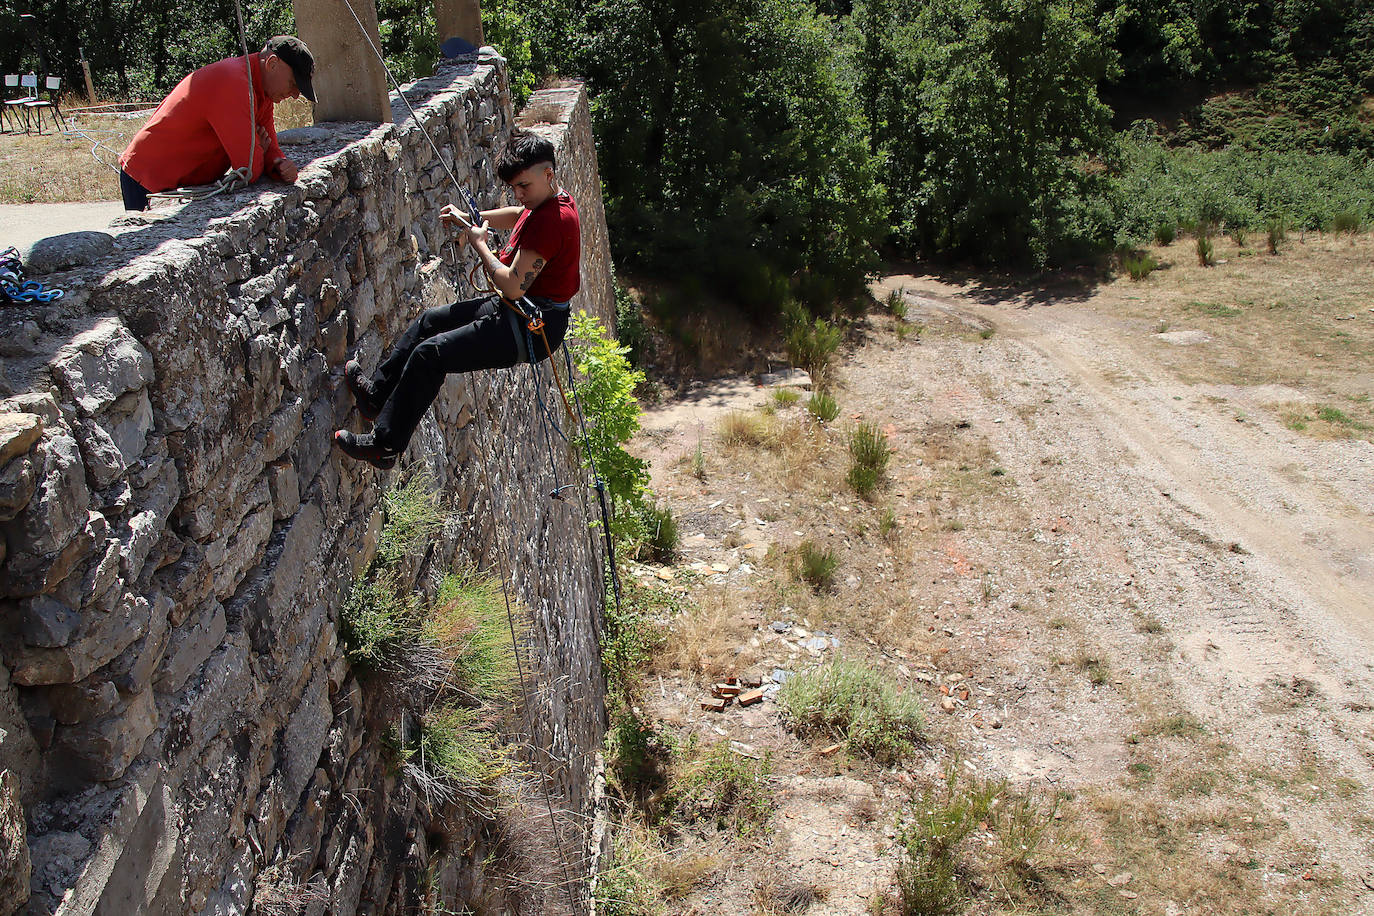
(554, 230)
(202, 129)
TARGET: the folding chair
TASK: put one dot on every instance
(17, 106)
(37, 105)
(9, 117)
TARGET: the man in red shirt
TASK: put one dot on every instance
(541, 263)
(206, 126)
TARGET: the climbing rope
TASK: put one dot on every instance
(14, 289)
(484, 450)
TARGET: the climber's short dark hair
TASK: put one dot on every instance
(525, 148)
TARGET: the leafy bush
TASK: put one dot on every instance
(823, 406)
(937, 820)
(817, 565)
(630, 327)
(896, 304)
(377, 622)
(605, 390)
(1165, 233)
(1191, 187)
(868, 457)
(1277, 234)
(1347, 221)
(631, 636)
(1238, 234)
(852, 702)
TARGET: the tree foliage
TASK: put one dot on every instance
(731, 144)
(987, 116)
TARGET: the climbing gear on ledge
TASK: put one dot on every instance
(15, 289)
(363, 447)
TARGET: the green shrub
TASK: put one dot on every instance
(1139, 266)
(817, 565)
(377, 622)
(605, 389)
(629, 886)
(455, 754)
(810, 343)
(470, 626)
(720, 786)
(661, 532)
(936, 822)
(855, 703)
(1238, 234)
(1277, 234)
(414, 515)
(1346, 221)
(1206, 251)
(896, 304)
(630, 635)
(868, 457)
(1165, 233)
(823, 406)
(786, 397)
(630, 326)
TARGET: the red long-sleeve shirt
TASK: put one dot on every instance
(201, 129)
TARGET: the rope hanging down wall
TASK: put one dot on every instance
(484, 450)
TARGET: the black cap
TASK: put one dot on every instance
(298, 57)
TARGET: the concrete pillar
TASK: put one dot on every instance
(350, 81)
(461, 19)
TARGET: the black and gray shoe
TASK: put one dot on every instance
(363, 447)
(363, 390)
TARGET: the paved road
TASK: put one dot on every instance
(23, 224)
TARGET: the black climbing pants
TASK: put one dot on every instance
(461, 337)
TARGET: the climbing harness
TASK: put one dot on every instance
(14, 289)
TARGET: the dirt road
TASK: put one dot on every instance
(1150, 578)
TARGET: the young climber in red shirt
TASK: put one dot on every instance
(540, 262)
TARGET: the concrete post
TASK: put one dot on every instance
(350, 81)
(461, 19)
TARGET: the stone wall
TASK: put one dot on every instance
(177, 718)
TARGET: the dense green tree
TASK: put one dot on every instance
(987, 115)
(731, 145)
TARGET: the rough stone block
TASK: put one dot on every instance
(101, 364)
(18, 433)
(99, 638)
(57, 511)
(104, 748)
(14, 847)
(132, 672)
(43, 621)
(190, 645)
(71, 704)
(17, 483)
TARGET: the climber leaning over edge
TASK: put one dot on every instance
(539, 262)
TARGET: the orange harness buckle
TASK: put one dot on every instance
(536, 324)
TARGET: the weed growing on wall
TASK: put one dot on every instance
(855, 703)
(414, 516)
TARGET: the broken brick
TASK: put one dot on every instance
(751, 697)
(713, 705)
(752, 681)
(832, 749)
(726, 690)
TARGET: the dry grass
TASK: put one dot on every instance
(1299, 318)
(702, 641)
(58, 168)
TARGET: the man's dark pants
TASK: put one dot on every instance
(461, 337)
(135, 195)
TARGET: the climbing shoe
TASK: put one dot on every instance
(364, 447)
(363, 390)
